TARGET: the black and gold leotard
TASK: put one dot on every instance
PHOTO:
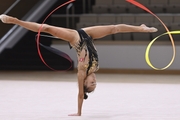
(86, 43)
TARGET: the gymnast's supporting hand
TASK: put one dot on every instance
(86, 51)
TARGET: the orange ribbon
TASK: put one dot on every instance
(39, 32)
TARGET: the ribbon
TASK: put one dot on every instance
(150, 44)
(38, 37)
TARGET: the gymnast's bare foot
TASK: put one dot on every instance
(6, 18)
(148, 29)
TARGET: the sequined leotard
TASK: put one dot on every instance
(86, 43)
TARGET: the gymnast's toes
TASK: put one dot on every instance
(4, 18)
(153, 29)
(150, 29)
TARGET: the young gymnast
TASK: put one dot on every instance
(82, 41)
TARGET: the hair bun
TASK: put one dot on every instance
(85, 96)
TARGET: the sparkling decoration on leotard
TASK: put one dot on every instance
(134, 2)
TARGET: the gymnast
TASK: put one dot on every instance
(82, 41)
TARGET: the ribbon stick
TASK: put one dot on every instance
(150, 44)
(39, 33)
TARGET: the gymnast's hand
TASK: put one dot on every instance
(76, 114)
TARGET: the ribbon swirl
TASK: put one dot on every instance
(134, 2)
(39, 32)
(150, 44)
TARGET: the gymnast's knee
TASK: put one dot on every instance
(117, 28)
(45, 28)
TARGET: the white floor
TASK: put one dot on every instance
(53, 95)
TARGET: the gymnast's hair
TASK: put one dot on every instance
(86, 91)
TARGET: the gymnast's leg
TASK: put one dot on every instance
(62, 33)
(101, 31)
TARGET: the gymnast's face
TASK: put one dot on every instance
(90, 82)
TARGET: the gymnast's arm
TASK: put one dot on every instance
(81, 76)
